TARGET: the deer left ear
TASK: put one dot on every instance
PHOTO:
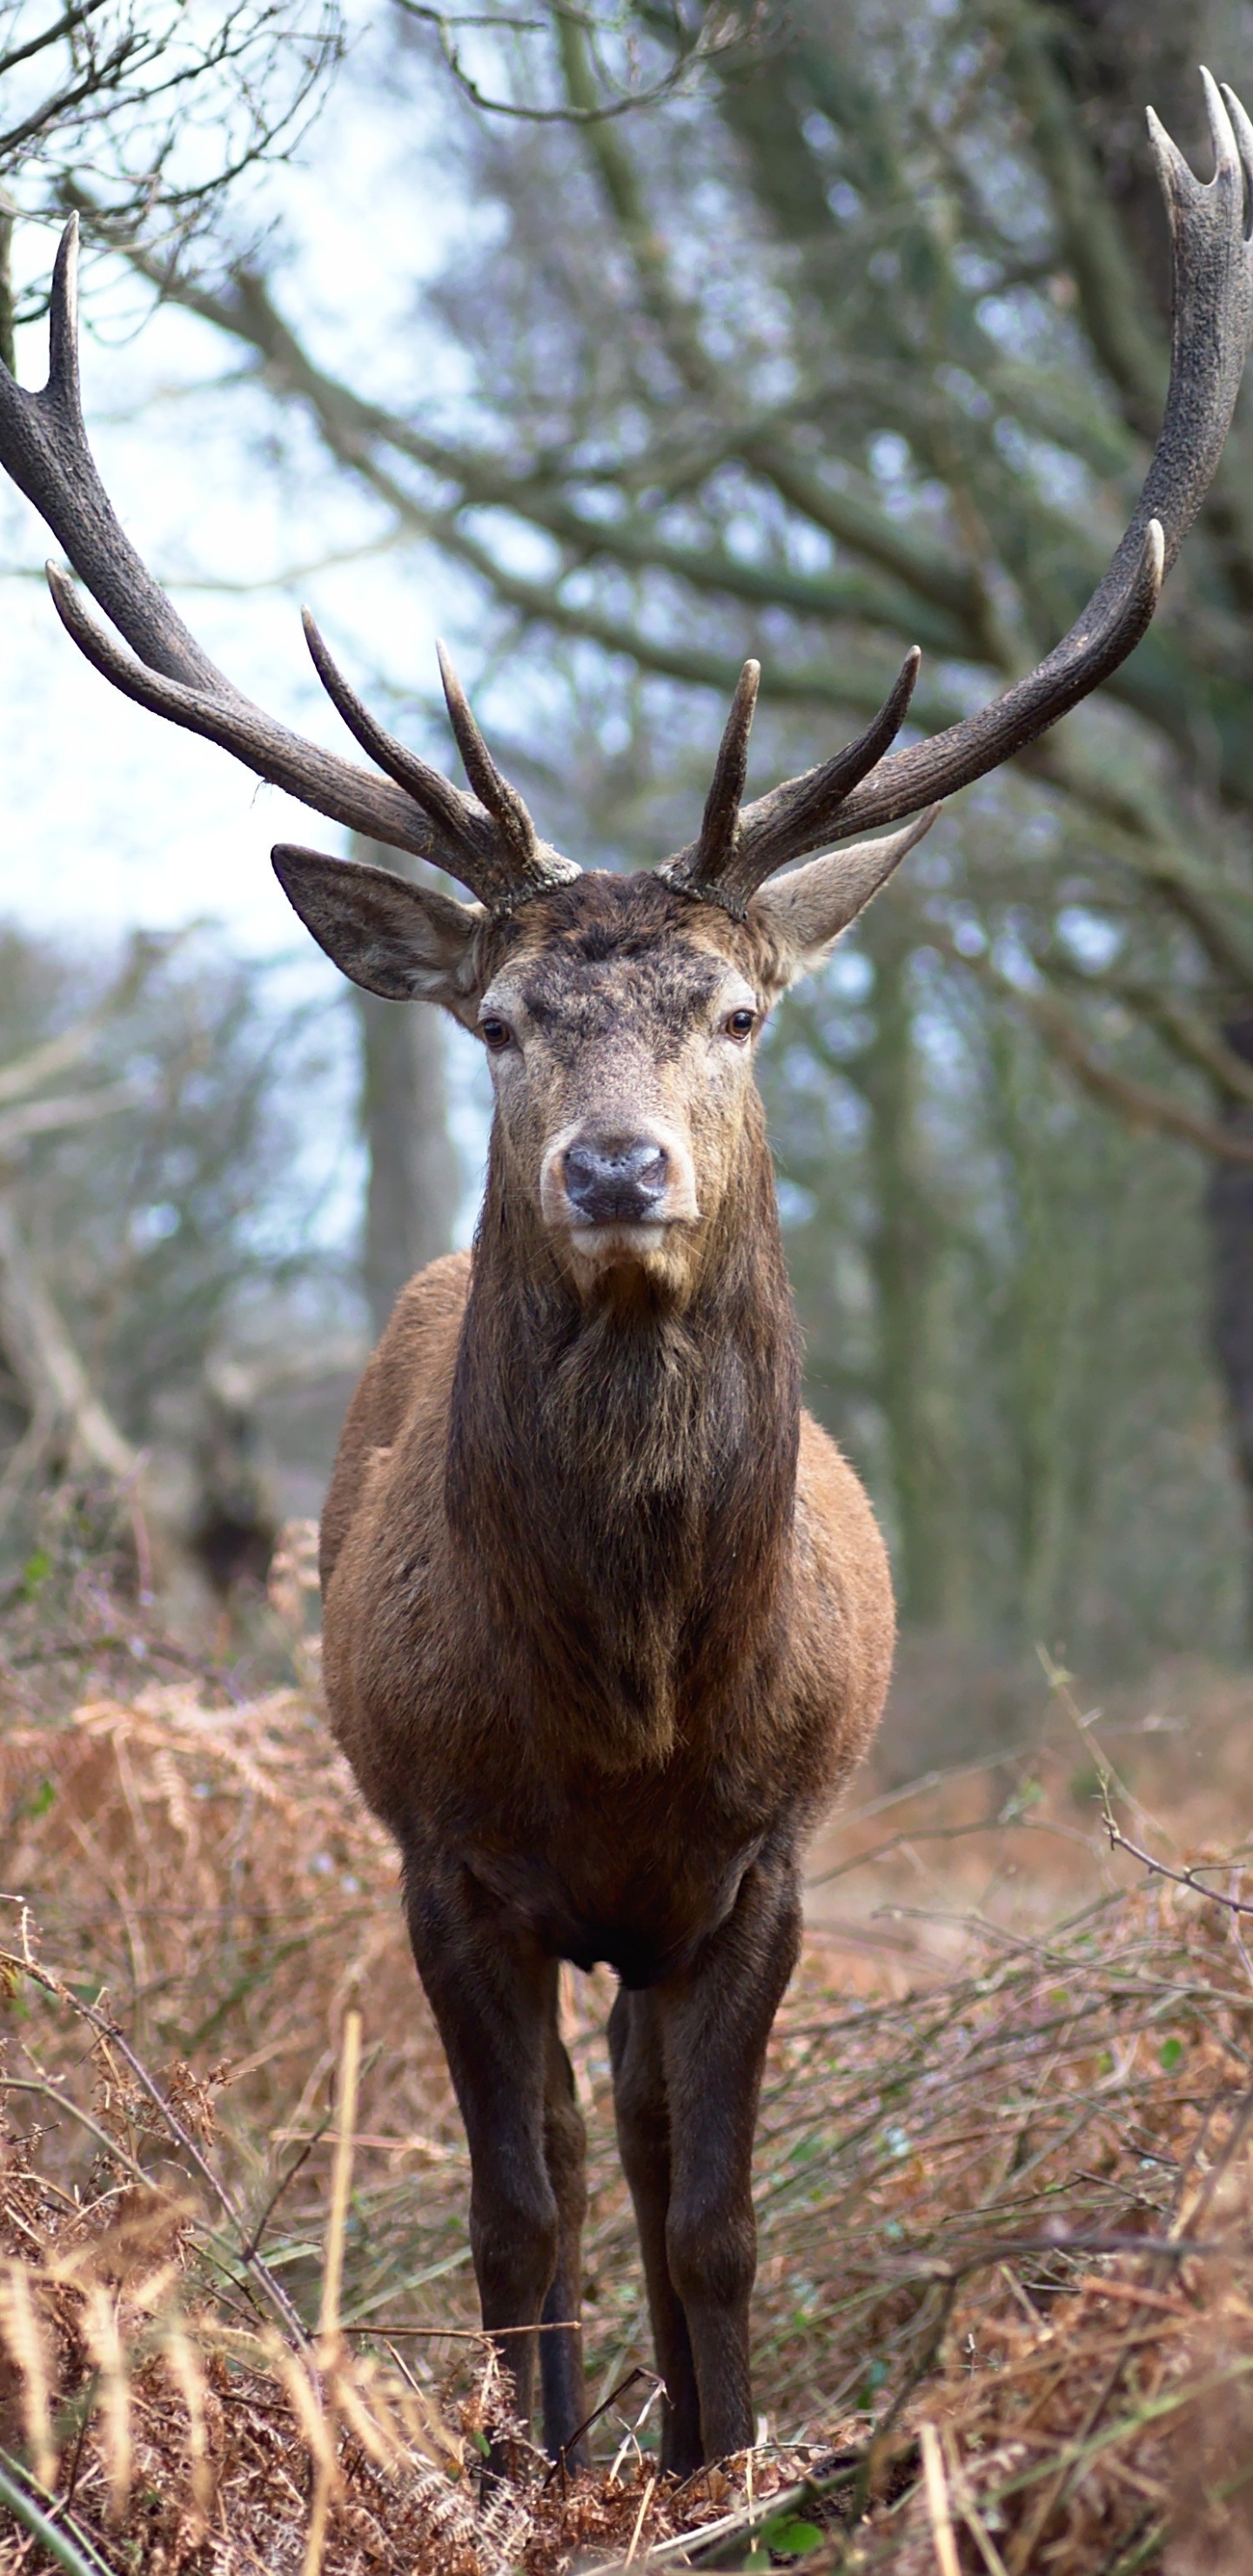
(808, 909)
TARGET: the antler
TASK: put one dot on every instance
(739, 846)
(491, 845)
(488, 839)
(1211, 328)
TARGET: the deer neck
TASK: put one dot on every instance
(622, 1479)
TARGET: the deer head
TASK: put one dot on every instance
(620, 1019)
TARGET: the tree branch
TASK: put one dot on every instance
(43, 1356)
(1139, 1103)
(1178, 1026)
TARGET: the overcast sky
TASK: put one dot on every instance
(110, 815)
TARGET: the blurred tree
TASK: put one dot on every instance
(414, 1183)
(155, 1189)
(147, 111)
(1003, 1296)
(850, 334)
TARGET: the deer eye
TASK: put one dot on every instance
(496, 1034)
(740, 1025)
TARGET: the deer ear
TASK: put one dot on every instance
(404, 941)
(808, 908)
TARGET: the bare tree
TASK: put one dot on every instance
(414, 1174)
(147, 110)
(153, 1209)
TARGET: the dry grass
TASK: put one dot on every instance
(1004, 2188)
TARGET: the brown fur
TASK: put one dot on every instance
(607, 1622)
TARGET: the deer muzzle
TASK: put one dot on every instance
(618, 1180)
(609, 1179)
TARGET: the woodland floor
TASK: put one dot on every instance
(1005, 2310)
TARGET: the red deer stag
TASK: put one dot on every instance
(608, 1618)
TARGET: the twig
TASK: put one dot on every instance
(51, 2093)
(711, 2543)
(645, 2501)
(57, 1650)
(1091, 2285)
(594, 2418)
(470, 2334)
(254, 2242)
(938, 2513)
(341, 2178)
(963, 2497)
(66, 2542)
(106, 2029)
(1119, 1841)
(329, 2344)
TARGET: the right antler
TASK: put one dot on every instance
(1212, 324)
(487, 840)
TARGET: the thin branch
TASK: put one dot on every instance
(72, 1109)
(1138, 1102)
(715, 37)
(39, 1348)
(1175, 1022)
(22, 1964)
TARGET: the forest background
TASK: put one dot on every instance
(616, 345)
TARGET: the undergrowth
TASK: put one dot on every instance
(1003, 2316)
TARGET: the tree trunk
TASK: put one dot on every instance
(900, 1250)
(415, 1175)
(1229, 1209)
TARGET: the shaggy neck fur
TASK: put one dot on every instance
(624, 1475)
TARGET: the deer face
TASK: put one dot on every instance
(619, 1025)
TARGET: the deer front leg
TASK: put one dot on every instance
(561, 2354)
(493, 1994)
(643, 2121)
(714, 2023)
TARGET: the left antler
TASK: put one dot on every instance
(1212, 325)
(491, 845)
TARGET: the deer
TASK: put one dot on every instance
(608, 1618)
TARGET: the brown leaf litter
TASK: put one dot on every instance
(1006, 2218)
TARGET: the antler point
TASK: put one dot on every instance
(1226, 156)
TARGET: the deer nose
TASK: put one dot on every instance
(618, 1180)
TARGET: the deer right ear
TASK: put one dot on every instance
(404, 941)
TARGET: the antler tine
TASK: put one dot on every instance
(493, 862)
(490, 861)
(43, 446)
(501, 800)
(1211, 329)
(720, 821)
(926, 772)
(63, 385)
(336, 788)
(437, 796)
(1241, 127)
(727, 865)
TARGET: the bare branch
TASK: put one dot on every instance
(40, 1350)
(71, 1109)
(1138, 1102)
(718, 33)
